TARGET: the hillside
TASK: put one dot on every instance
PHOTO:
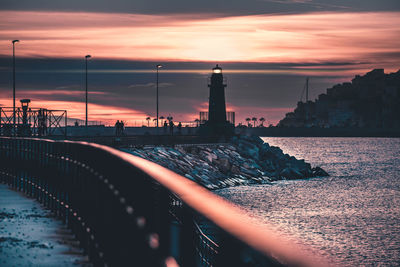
(372, 100)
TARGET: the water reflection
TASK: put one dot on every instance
(352, 215)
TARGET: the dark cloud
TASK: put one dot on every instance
(64, 64)
(222, 7)
(150, 85)
(249, 94)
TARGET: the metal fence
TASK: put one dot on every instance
(127, 211)
(33, 122)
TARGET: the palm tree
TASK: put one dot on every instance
(162, 118)
(155, 122)
(254, 119)
(197, 122)
(262, 119)
(169, 118)
(148, 121)
(248, 121)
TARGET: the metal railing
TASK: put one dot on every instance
(135, 140)
(127, 211)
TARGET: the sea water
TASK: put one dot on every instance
(352, 216)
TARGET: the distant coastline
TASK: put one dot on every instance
(320, 132)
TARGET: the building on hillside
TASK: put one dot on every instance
(372, 100)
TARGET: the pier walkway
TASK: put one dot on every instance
(31, 236)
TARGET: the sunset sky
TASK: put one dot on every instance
(266, 49)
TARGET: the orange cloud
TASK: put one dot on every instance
(101, 113)
(312, 37)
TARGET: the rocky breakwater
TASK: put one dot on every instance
(245, 160)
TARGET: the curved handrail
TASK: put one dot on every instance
(225, 215)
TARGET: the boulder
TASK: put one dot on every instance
(291, 173)
(286, 172)
(223, 165)
(249, 172)
(317, 171)
(190, 177)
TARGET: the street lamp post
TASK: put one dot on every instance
(13, 43)
(86, 80)
(157, 67)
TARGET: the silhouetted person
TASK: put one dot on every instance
(117, 128)
(171, 127)
(42, 125)
(179, 128)
(165, 127)
(76, 124)
(122, 127)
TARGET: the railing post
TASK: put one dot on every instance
(187, 236)
(163, 220)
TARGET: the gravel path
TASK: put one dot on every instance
(31, 236)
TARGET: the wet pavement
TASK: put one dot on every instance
(31, 236)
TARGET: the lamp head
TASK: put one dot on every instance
(88, 56)
(25, 102)
(15, 41)
(158, 66)
(217, 69)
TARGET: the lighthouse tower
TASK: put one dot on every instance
(217, 107)
(217, 125)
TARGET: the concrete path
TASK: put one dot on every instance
(31, 236)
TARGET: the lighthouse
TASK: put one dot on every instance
(216, 105)
(217, 125)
